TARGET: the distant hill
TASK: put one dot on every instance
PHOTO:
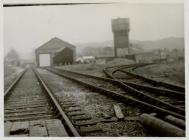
(167, 43)
(106, 48)
(95, 44)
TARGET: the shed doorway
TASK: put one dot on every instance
(44, 60)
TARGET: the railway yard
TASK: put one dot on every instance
(81, 70)
(95, 100)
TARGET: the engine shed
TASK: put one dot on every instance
(55, 52)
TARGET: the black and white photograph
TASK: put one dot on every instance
(94, 69)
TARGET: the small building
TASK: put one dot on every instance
(55, 52)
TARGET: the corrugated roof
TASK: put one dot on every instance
(55, 45)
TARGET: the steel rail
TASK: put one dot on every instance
(154, 82)
(144, 95)
(134, 91)
(157, 83)
(130, 65)
(120, 96)
(148, 88)
(51, 97)
(55, 102)
(166, 92)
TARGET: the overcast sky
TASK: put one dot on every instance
(26, 28)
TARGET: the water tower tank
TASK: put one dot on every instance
(120, 24)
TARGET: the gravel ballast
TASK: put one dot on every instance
(96, 105)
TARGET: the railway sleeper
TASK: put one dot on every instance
(80, 117)
(90, 129)
(26, 102)
(50, 116)
(68, 102)
(26, 107)
(28, 114)
(76, 113)
(86, 122)
(26, 111)
(69, 105)
(73, 109)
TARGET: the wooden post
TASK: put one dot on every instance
(118, 112)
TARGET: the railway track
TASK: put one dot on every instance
(99, 107)
(174, 96)
(30, 109)
(126, 73)
(121, 91)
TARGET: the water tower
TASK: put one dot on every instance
(120, 29)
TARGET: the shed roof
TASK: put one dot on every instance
(56, 45)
